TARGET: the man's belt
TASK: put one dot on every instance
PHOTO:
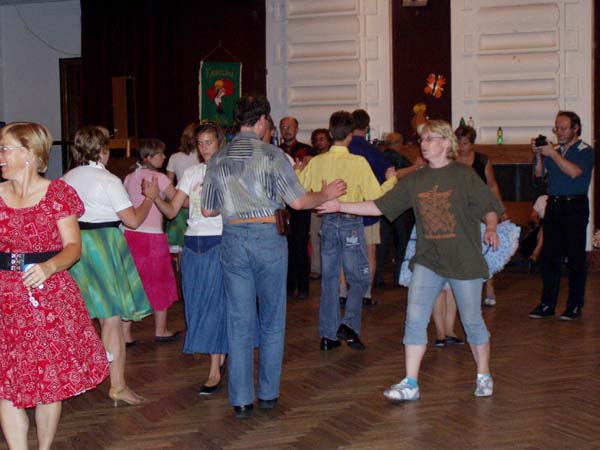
(566, 198)
(15, 262)
(95, 226)
(268, 219)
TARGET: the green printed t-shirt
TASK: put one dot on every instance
(449, 204)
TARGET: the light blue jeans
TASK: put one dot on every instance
(425, 285)
(342, 244)
(255, 260)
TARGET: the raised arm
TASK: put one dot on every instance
(328, 192)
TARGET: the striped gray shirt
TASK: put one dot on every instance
(248, 178)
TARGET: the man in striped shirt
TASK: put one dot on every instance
(246, 182)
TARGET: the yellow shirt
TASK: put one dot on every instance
(338, 162)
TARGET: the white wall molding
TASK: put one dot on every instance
(326, 56)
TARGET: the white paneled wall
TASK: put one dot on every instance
(516, 63)
(323, 56)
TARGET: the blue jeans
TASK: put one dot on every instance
(342, 244)
(254, 259)
(425, 285)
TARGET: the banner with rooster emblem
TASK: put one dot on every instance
(220, 87)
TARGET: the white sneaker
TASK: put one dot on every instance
(489, 301)
(485, 386)
(402, 391)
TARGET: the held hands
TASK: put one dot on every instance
(150, 188)
(330, 206)
(390, 173)
(334, 189)
(35, 275)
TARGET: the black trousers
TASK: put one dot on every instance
(298, 260)
(395, 235)
(565, 224)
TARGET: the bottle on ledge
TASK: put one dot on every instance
(462, 122)
(471, 122)
(500, 138)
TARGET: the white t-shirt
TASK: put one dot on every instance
(179, 162)
(102, 193)
(191, 184)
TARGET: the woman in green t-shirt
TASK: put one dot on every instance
(449, 201)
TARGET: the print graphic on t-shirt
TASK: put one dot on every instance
(438, 221)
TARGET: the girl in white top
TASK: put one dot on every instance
(105, 273)
(201, 268)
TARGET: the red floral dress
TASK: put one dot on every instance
(51, 351)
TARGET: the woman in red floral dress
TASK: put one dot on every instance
(49, 349)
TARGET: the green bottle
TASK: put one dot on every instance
(462, 122)
(500, 139)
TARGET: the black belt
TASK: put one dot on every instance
(95, 226)
(343, 215)
(15, 262)
(566, 198)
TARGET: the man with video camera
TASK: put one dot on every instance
(568, 167)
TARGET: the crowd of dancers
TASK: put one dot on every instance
(89, 246)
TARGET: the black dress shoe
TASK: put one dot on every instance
(349, 335)
(355, 343)
(164, 339)
(267, 404)
(344, 332)
(132, 343)
(329, 344)
(210, 390)
(243, 411)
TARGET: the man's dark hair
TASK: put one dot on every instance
(575, 120)
(318, 131)
(361, 119)
(250, 108)
(466, 131)
(341, 125)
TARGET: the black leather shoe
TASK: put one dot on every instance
(243, 411)
(164, 339)
(349, 335)
(355, 343)
(267, 404)
(210, 390)
(344, 332)
(329, 344)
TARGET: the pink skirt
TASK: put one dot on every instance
(150, 252)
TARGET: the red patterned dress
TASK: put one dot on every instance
(51, 351)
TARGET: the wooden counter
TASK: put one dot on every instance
(499, 154)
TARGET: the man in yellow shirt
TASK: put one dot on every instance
(342, 235)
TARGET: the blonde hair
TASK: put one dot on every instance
(35, 138)
(444, 129)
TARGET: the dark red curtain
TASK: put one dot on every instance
(421, 45)
(160, 43)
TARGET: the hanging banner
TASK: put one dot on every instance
(220, 87)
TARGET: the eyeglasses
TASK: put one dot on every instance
(563, 129)
(5, 148)
(430, 138)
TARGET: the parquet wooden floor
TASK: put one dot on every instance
(547, 392)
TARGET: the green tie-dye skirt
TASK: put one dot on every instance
(107, 277)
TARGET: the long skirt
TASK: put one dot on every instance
(204, 296)
(150, 252)
(107, 277)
